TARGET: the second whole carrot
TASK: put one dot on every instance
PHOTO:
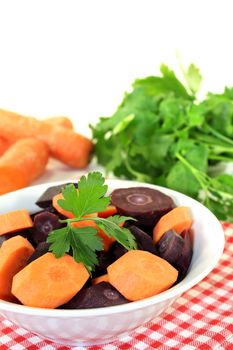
(65, 145)
(65, 122)
(26, 160)
(4, 144)
(55, 121)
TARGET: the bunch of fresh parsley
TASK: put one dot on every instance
(84, 242)
(162, 134)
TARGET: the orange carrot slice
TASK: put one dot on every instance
(111, 210)
(107, 241)
(64, 212)
(178, 219)
(49, 282)
(139, 274)
(55, 204)
(14, 254)
(14, 221)
(103, 278)
(86, 223)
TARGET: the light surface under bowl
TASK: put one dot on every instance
(102, 325)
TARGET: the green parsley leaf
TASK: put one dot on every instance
(70, 200)
(60, 242)
(84, 243)
(91, 194)
(88, 199)
(122, 125)
(193, 78)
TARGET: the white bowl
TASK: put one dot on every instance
(102, 325)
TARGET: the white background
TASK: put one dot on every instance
(76, 58)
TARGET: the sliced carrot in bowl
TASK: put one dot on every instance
(178, 219)
(139, 274)
(14, 254)
(14, 221)
(61, 279)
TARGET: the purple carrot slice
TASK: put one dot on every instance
(145, 204)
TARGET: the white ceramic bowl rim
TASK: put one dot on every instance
(124, 308)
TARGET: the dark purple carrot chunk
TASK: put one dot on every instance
(104, 260)
(117, 250)
(99, 295)
(144, 241)
(185, 258)
(177, 250)
(40, 250)
(144, 204)
(45, 200)
(43, 224)
(170, 246)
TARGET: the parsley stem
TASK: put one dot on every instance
(200, 177)
(138, 176)
(69, 221)
(220, 158)
(219, 135)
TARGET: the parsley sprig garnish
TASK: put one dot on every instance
(83, 242)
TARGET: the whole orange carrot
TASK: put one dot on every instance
(26, 159)
(4, 144)
(55, 121)
(65, 122)
(11, 180)
(69, 147)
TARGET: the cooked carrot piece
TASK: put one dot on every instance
(49, 282)
(109, 211)
(28, 158)
(86, 223)
(178, 219)
(14, 254)
(14, 221)
(107, 241)
(103, 278)
(11, 180)
(55, 204)
(139, 274)
(67, 213)
(64, 144)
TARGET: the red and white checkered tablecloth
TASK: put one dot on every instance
(201, 319)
